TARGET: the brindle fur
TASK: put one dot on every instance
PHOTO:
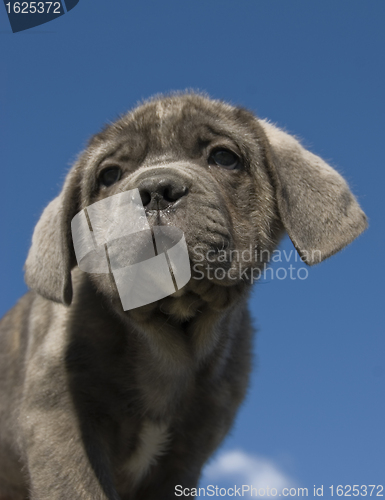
(97, 403)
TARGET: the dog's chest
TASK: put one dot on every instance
(152, 443)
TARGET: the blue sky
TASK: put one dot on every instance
(316, 404)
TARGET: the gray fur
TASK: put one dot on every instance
(308, 189)
(97, 403)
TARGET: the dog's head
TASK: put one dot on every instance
(228, 180)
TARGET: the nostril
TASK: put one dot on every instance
(171, 194)
(145, 196)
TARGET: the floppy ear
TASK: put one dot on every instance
(317, 209)
(51, 256)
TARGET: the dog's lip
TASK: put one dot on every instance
(158, 217)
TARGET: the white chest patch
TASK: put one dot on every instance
(153, 440)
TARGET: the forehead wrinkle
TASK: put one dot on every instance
(163, 110)
(130, 141)
(166, 113)
(130, 150)
(96, 155)
(160, 126)
(152, 126)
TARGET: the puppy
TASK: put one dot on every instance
(101, 403)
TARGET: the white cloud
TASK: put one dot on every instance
(240, 468)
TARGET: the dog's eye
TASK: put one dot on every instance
(109, 176)
(225, 159)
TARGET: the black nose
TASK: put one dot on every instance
(159, 192)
